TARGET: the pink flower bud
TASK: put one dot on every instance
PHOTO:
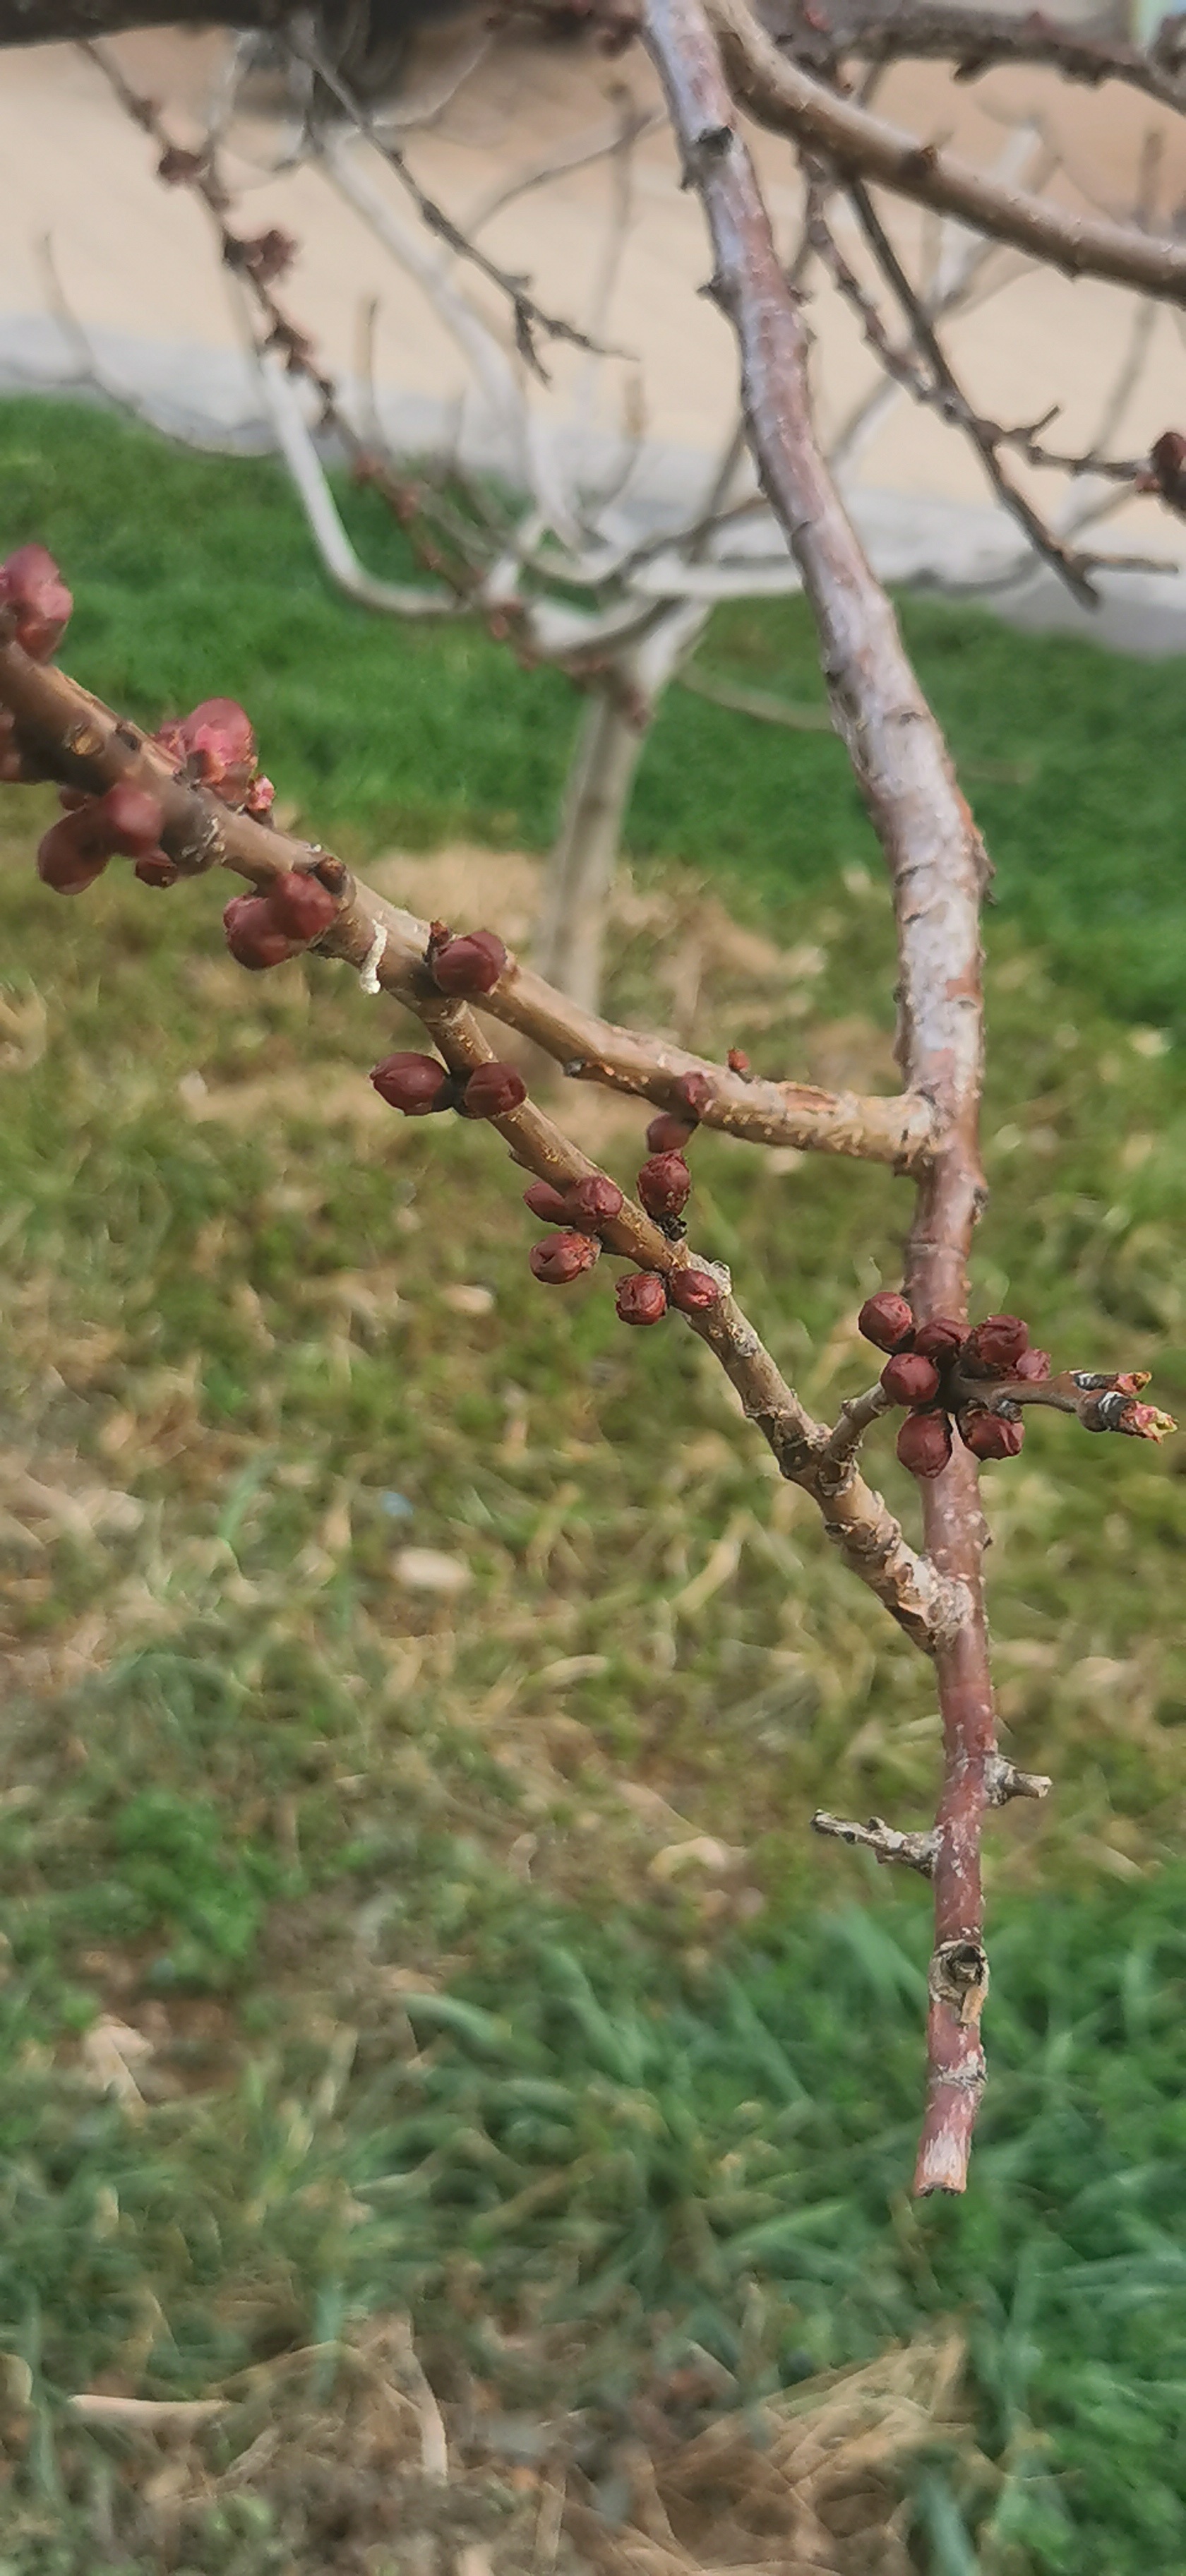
(694, 1092)
(994, 1347)
(545, 1202)
(494, 1091)
(593, 1201)
(667, 1135)
(1034, 1365)
(71, 854)
(414, 1083)
(157, 869)
(561, 1258)
(692, 1290)
(924, 1443)
(300, 905)
(910, 1379)
(215, 746)
(253, 934)
(886, 1321)
(940, 1339)
(132, 816)
(32, 587)
(471, 964)
(641, 1297)
(664, 1184)
(988, 1435)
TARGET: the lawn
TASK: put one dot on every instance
(482, 1960)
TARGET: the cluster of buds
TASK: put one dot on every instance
(420, 1085)
(977, 1381)
(266, 929)
(582, 1209)
(35, 608)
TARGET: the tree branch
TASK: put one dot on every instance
(780, 95)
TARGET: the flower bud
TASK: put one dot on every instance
(546, 1202)
(1034, 1365)
(940, 1339)
(253, 934)
(988, 1435)
(692, 1290)
(71, 854)
(664, 1184)
(886, 1321)
(301, 906)
(561, 1258)
(133, 818)
(157, 869)
(994, 1347)
(414, 1083)
(910, 1379)
(641, 1297)
(32, 587)
(924, 1443)
(216, 746)
(493, 1091)
(471, 964)
(667, 1135)
(694, 1092)
(594, 1201)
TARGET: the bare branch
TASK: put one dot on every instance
(914, 1851)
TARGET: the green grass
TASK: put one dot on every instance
(255, 1791)
(194, 575)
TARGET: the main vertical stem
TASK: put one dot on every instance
(937, 871)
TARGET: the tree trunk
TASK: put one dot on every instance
(581, 867)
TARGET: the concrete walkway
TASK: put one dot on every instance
(86, 225)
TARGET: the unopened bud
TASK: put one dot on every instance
(546, 1202)
(132, 816)
(910, 1379)
(70, 856)
(594, 1201)
(994, 1347)
(216, 746)
(940, 1339)
(664, 1184)
(668, 1135)
(471, 964)
(416, 1084)
(988, 1435)
(692, 1290)
(253, 934)
(886, 1321)
(32, 587)
(494, 1091)
(157, 869)
(1034, 1365)
(924, 1443)
(301, 906)
(694, 1091)
(641, 1297)
(561, 1258)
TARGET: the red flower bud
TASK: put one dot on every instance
(667, 1135)
(253, 933)
(71, 854)
(156, 869)
(300, 905)
(593, 1201)
(940, 1339)
(546, 1202)
(561, 1258)
(994, 1347)
(641, 1297)
(886, 1321)
(737, 1060)
(471, 964)
(924, 1443)
(694, 1091)
(692, 1290)
(493, 1091)
(910, 1379)
(132, 817)
(216, 746)
(32, 587)
(1034, 1365)
(988, 1435)
(663, 1184)
(414, 1083)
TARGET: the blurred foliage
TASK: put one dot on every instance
(480, 1952)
